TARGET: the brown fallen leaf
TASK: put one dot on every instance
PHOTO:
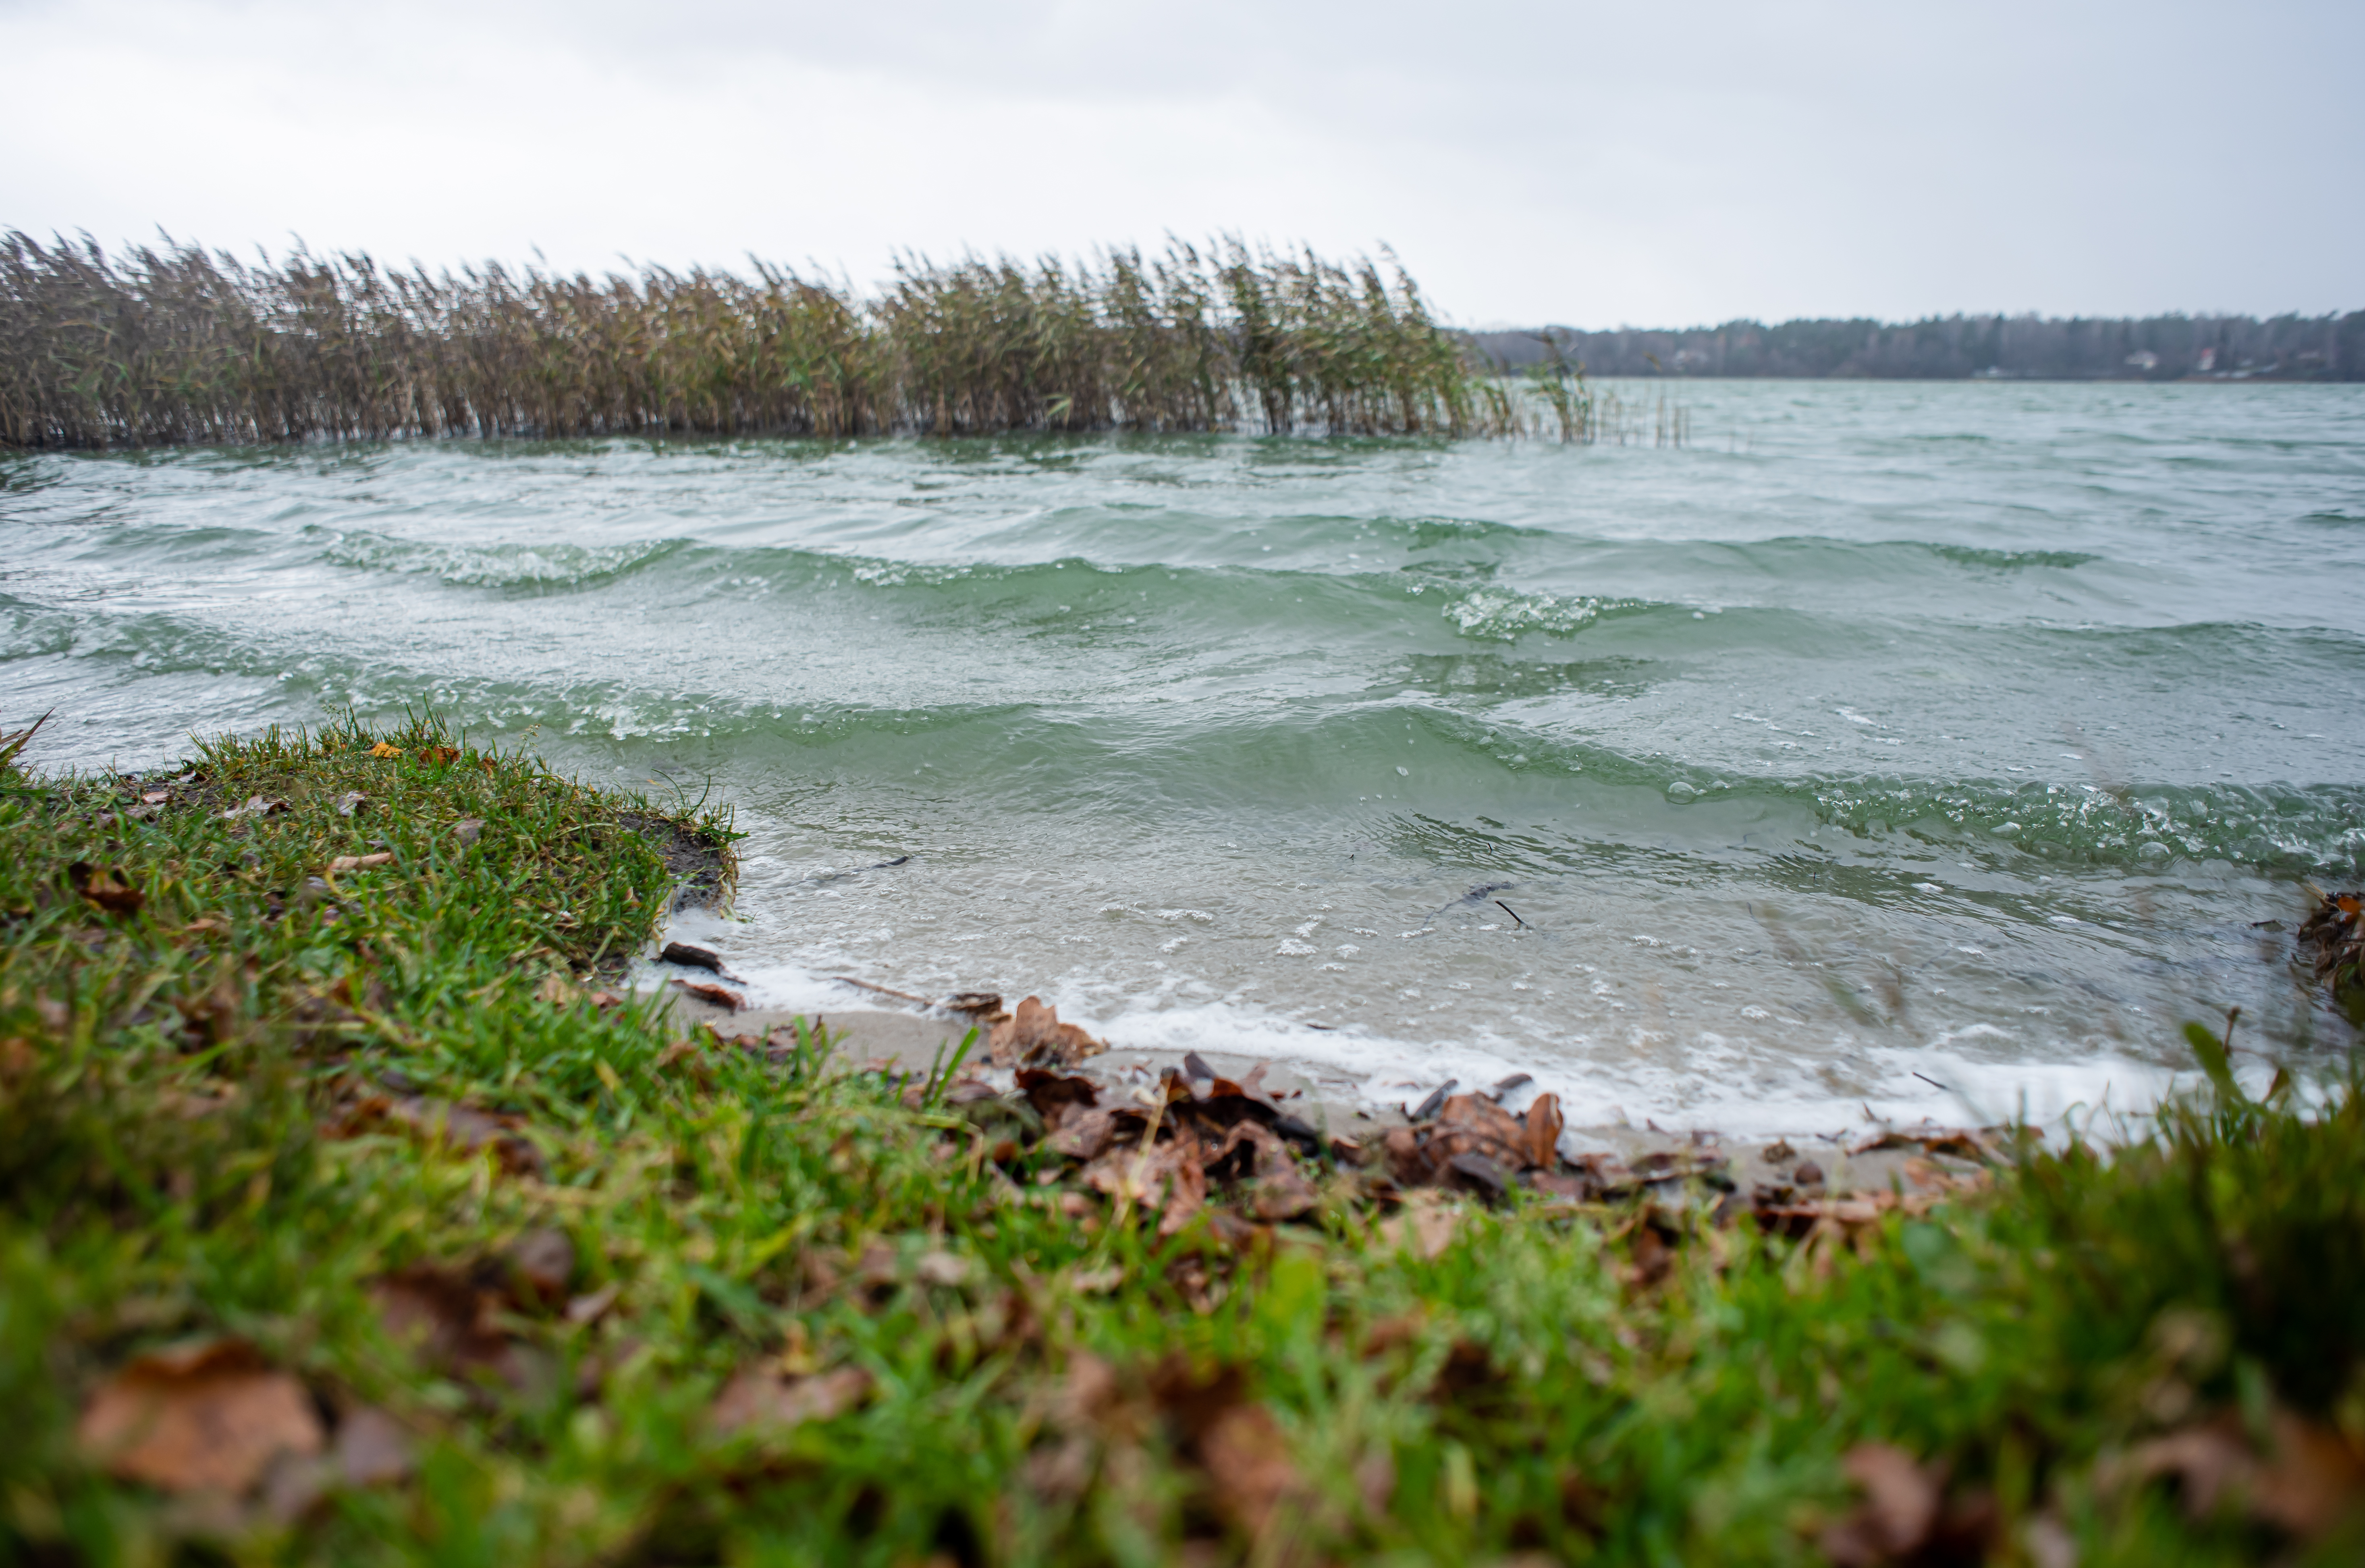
(541, 1262)
(1542, 1126)
(437, 755)
(1899, 1511)
(1186, 1194)
(1233, 1441)
(2312, 1478)
(372, 1448)
(1281, 1189)
(255, 806)
(461, 1128)
(1033, 1034)
(205, 1418)
(760, 1399)
(383, 749)
(1249, 1466)
(467, 830)
(555, 987)
(360, 862)
(106, 889)
(714, 995)
(1425, 1228)
(353, 802)
(1084, 1135)
(1053, 1094)
(2307, 1482)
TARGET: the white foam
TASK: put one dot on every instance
(1976, 1075)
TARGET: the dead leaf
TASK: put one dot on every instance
(940, 1267)
(383, 749)
(591, 1308)
(2311, 1480)
(556, 989)
(1186, 1194)
(467, 830)
(371, 1447)
(1084, 1135)
(444, 1319)
(1051, 1093)
(464, 1129)
(1033, 1034)
(353, 802)
(255, 806)
(1282, 1192)
(542, 1262)
(2307, 1484)
(1247, 1463)
(714, 995)
(360, 862)
(759, 1399)
(437, 755)
(1898, 1514)
(106, 889)
(203, 1418)
(1542, 1126)
(1424, 1228)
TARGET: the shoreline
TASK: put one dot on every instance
(912, 1040)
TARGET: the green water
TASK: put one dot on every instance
(1927, 747)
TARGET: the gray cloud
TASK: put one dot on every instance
(1591, 163)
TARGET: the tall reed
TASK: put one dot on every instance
(171, 343)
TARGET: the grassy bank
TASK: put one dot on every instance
(174, 343)
(348, 1218)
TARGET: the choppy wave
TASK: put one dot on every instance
(549, 567)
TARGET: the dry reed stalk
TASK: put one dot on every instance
(173, 343)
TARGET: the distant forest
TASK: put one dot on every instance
(2154, 348)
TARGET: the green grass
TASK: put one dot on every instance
(209, 1128)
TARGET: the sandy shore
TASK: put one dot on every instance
(914, 1038)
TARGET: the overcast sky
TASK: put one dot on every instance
(1660, 163)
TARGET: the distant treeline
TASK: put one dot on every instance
(176, 343)
(2154, 348)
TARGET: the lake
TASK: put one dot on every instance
(1903, 749)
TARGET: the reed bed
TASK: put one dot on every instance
(174, 343)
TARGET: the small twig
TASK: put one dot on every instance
(1514, 913)
(883, 989)
(1934, 1083)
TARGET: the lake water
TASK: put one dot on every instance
(1918, 749)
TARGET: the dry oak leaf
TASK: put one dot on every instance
(205, 1418)
(383, 749)
(760, 1399)
(436, 755)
